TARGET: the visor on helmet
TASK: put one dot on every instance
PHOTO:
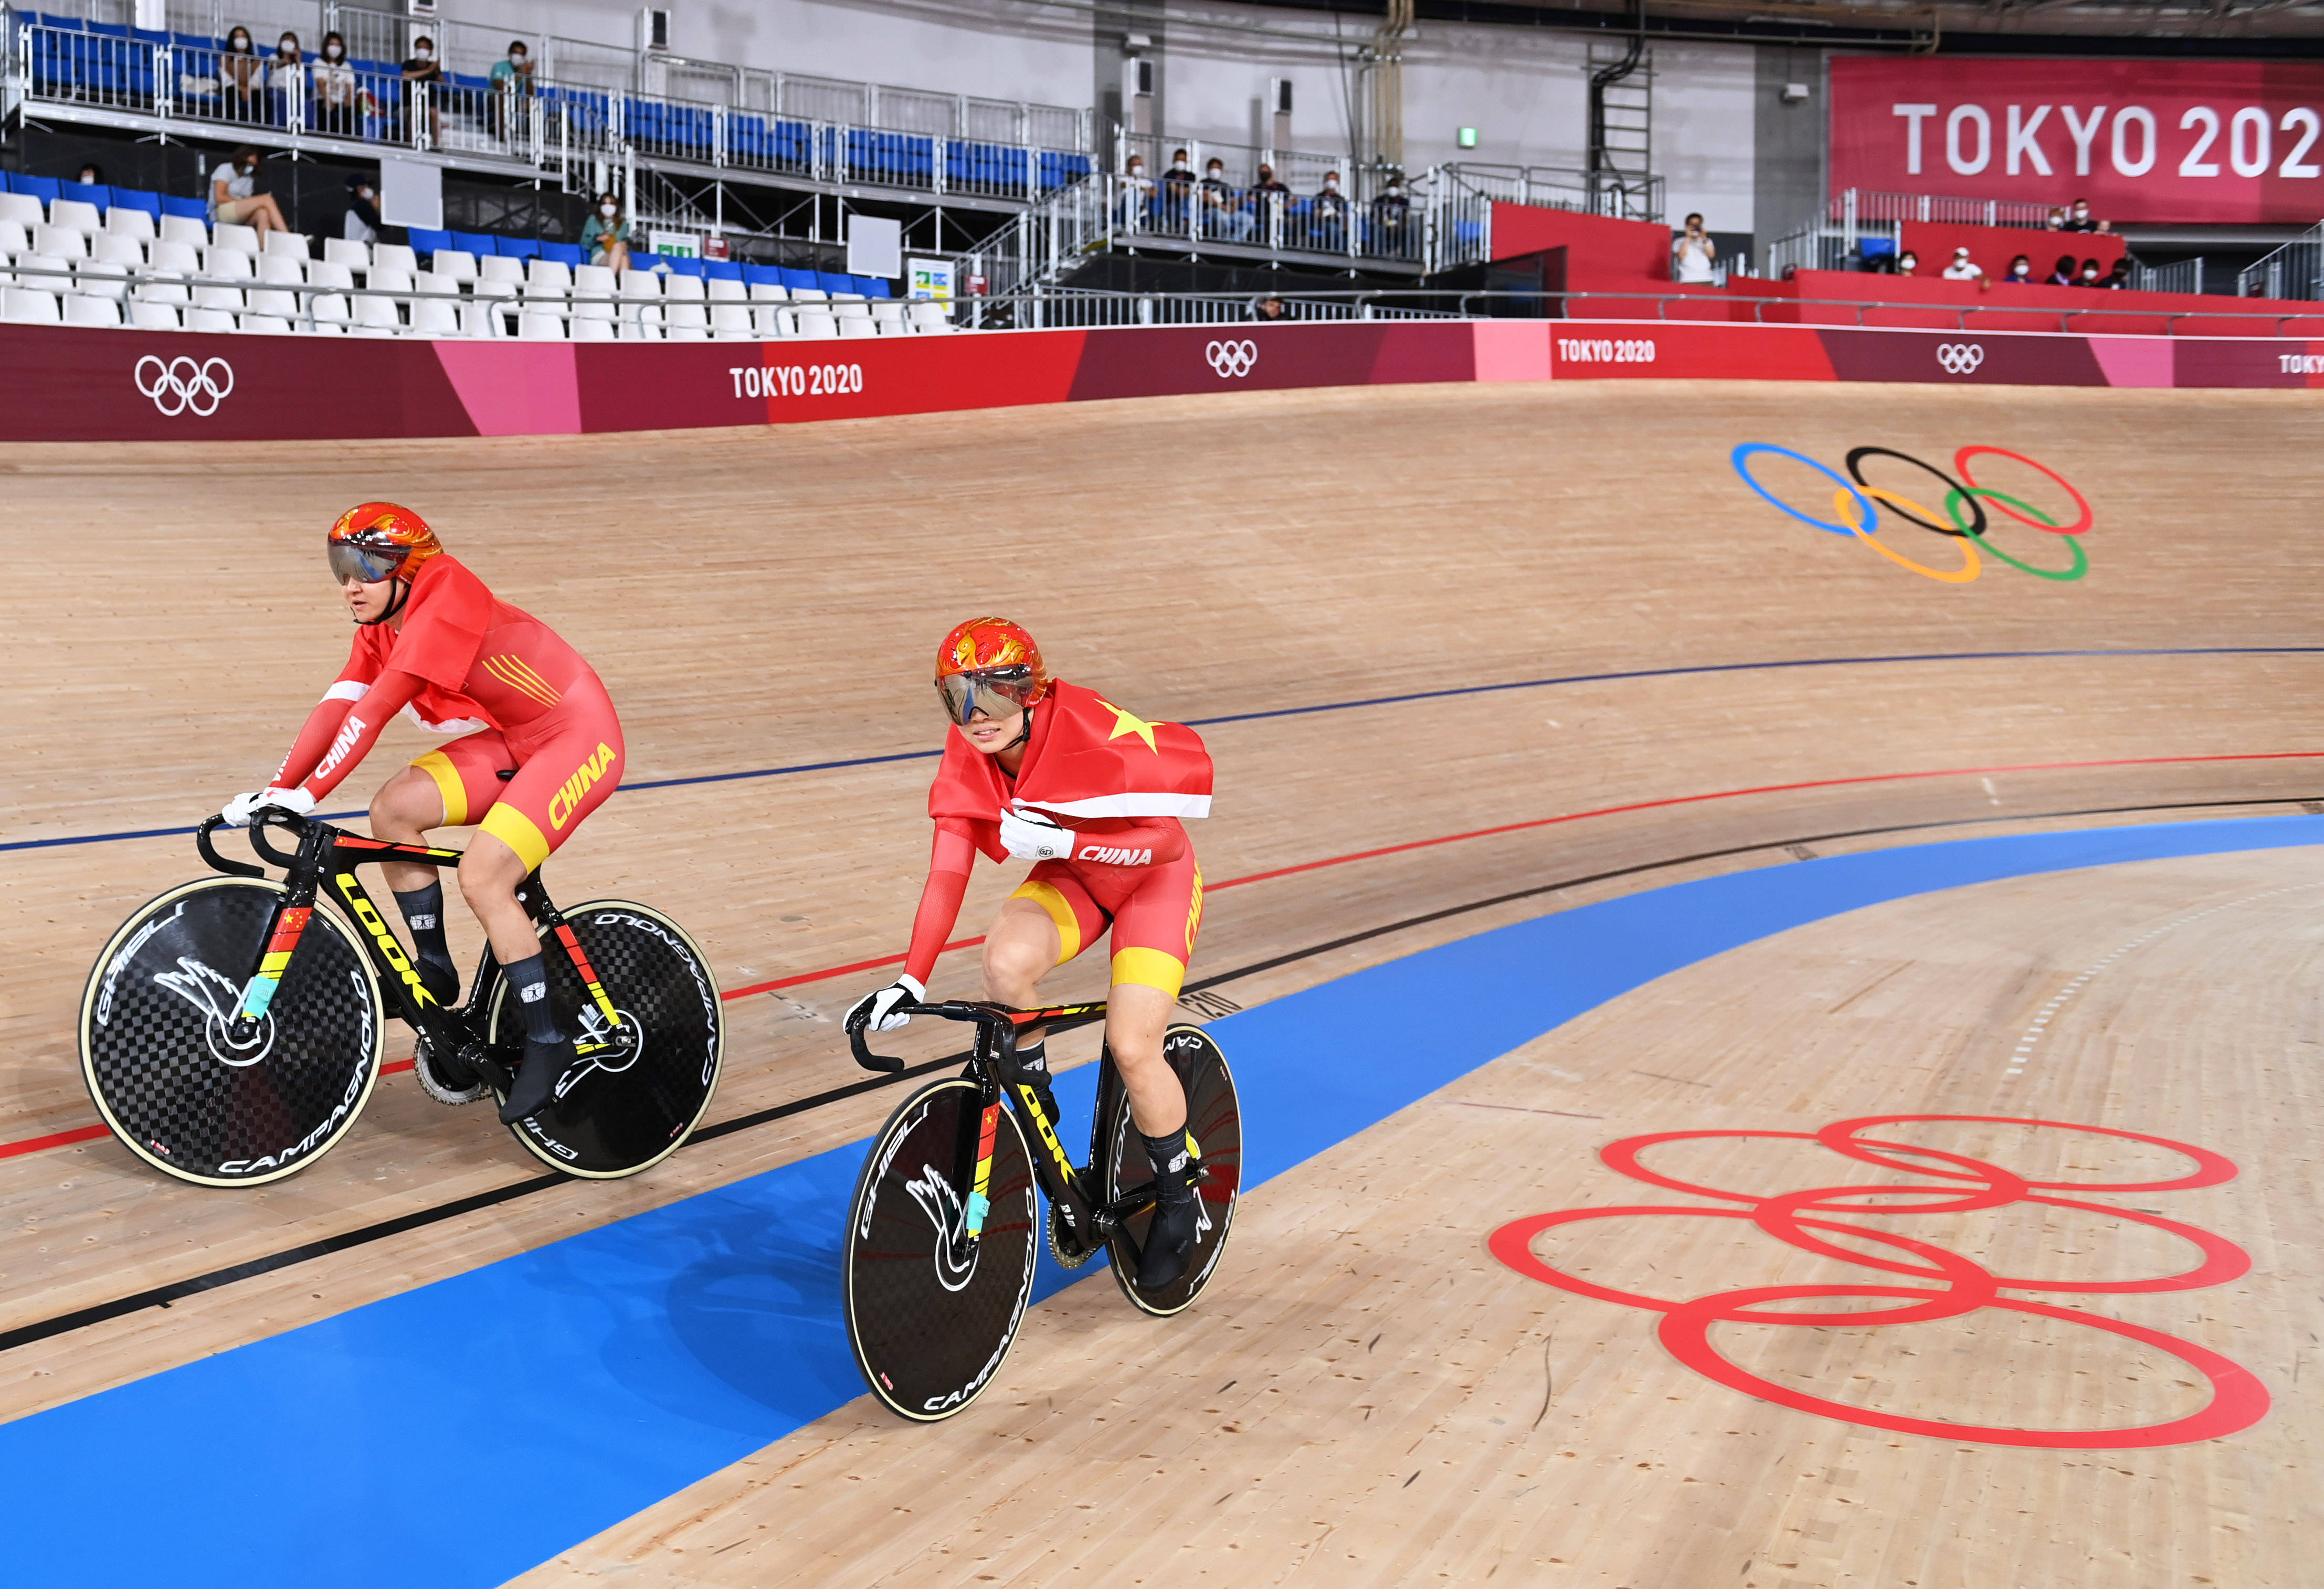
(997, 692)
(349, 561)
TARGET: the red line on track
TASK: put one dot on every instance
(86, 1133)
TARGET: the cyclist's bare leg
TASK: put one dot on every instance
(1134, 1018)
(1020, 948)
(489, 878)
(405, 808)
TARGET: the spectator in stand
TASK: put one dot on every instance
(242, 77)
(2090, 274)
(2063, 275)
(2057, 221)
(1224, 214)
(2021, 272)
(423, 77)
(2079, 221)
(286, 71)
(1391, 219)
(1136, 192)
(2118, 279)
(1267, 197)
(91, 174)
(1329, 212)
(606, 236)
(362, 222)
(334, 109)
(1177, 188)
(236, 200)
(1269, 308)
(1692, 252)
(512, 77)
(1908, 263)
(1963, 268)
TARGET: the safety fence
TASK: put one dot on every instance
(1863, 206)
(2294, 271)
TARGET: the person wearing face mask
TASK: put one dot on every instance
(1692, 254)
(1177, 188)
(512, 77)
(1136, 192)
(2089, 275)
(2021, 272)
(334, 110)
(362, 222)
(2079, 220)
(91, 176)
(1908, 263)
(286, 71)
(241, 75)
(1963, 268)
(2118, 279)
(606, 236)
(1392, 231)
(236, 200)
(423, 77)
(1224, 215)
(1329, 214)
(1268, 198)
(2062, 273)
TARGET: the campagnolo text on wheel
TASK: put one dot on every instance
(939, 1247)
(231, 1031)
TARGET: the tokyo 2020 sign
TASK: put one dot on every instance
(2141, 140)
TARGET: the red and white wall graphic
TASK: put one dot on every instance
(2143, 139)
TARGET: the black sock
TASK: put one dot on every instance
(529, 982)
(1034, 1056)
(423, 913)
(1174, 1166)
(1033, 1066)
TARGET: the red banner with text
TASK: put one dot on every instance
(2143, 139)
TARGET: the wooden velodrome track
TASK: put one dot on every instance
(1368, 1394)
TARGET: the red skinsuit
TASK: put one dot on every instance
(466, 663)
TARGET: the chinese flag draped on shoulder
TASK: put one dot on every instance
(1087, 758)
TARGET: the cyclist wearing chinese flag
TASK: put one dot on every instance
(1051, 772)
(538, 749)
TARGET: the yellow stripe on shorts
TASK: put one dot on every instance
(438, 767)
(1148, 968)
(1046, 895)
(512, 828)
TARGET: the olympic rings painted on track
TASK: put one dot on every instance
(1860, 519)
(1953, 1183)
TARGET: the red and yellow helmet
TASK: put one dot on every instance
(989, 658)
(379, 540)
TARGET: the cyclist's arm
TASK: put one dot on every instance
(342, 730)
(949, 863)
(1136, 844)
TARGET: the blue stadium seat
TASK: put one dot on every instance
(679, 265)
(723, 270)
(479, 243)
(833, 281)
(137, 198)
(108, 30)
(193, 209)
(474, 85)
(88, 193)
(647, 261)
(795, 279)
(564, 253)
(872, 286)
(48, 20)
(425, 242)
(193, 41)
(47, 190)
(518, 248)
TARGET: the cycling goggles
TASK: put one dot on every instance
(996, 692)
(350, 561)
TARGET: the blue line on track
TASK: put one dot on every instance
(582, 1381)
(1204, 722)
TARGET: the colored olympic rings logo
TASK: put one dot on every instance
(1231, 360)
(1959, 358)
(1963, 508)
(181, 385)
(1952, 1285)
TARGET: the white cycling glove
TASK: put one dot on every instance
(238, 811)
(875, 1006)
(1029, 835)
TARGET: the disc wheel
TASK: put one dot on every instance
(931, 1315)
(626, 1105)
(1215, 1117)
(158, 1053)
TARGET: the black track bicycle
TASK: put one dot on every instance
(940, 1241)
(231, 1032)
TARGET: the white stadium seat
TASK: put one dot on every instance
(280, 269)
(136, 225)
(241, 239)
(846, 306)
(395, 256)
(106, 279)
(857, 328)
(814, 323)
(226, 299)
(290, 245)
(24, 210)
(266, 325)
(73, 214)
(888, 313)
(772, 320)
(331, 309)
(730, 319)
(27, 306)
(590, 330)
(329, 273)
(379, 311)
(180, 257)
(208, 319)
(80, 309)
(723, 290)
(149, 315)
(493, 267)
(548, 279)
(13, 241)
(262, 301)
(430, 317)
(185, 229)
(815, 295)
(684, 289)
(453, 263)
(339, 250)
(62, 242)
(119, 250)
(232, 264)
(769, 292)
(540, 325)
(43, 272)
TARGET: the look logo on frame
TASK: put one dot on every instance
(1963, 508)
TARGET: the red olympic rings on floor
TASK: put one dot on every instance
(1961, 466)
(2237, 1400)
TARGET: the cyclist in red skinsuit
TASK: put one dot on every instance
(539, 748)
(1042, 770)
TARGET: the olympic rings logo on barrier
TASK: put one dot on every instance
(1231, 360)
(1959, 358)
(1963, 496)
(1959, 1184)
(182, 386)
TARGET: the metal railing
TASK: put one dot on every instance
(1853, 205)
(2294, 271)
(2184, 276)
